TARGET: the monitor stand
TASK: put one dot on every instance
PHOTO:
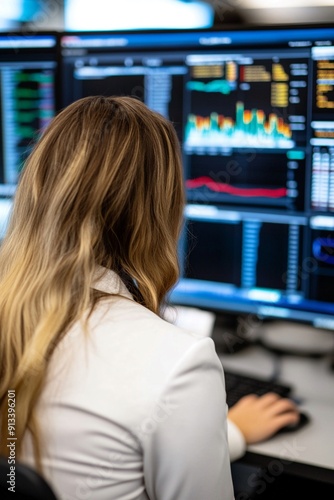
(297, 338)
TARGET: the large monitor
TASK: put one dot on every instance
(254, 110)
(28, 73)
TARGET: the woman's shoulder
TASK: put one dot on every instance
(126, 314)
(145, 335)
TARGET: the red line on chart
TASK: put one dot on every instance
(221, 187)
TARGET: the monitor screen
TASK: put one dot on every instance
(253, 108)
(27, 103)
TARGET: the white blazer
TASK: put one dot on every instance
(134, 409)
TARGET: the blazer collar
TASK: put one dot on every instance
(108, 281)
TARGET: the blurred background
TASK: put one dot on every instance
(86, 15)
(274, 11)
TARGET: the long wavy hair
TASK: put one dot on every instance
(102, 187)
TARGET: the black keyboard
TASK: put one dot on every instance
(238, 385)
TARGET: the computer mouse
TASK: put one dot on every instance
(303, 420)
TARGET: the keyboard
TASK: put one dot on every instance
(238, 385)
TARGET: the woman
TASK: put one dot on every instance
(111, 400)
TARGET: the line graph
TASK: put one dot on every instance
(221, 187)
(222, 86)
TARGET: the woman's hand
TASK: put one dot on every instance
(259, 417)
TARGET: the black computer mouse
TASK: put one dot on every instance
(303, 420)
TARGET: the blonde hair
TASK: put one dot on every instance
(103, 186)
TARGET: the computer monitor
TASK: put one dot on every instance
(28, 72)
(254, 110)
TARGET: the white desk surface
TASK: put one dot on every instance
(313, 384)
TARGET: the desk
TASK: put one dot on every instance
(308, 453)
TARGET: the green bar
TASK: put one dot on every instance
(27, 116)
(26, 104)
(33, 77)
(26, 131)
(26, 93)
